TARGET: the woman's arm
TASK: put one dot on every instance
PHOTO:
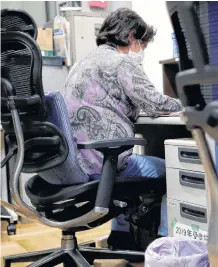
(143, 93)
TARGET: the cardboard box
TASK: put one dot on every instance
(45, 41)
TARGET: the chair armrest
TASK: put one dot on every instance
(111, 149)
(111, 143)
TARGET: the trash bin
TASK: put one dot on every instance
(176, 252)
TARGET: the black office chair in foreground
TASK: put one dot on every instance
(196, 28)
(40, 140)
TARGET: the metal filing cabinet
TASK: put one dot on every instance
(186, 190)
(83, 30)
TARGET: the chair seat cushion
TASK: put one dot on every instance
(41, 192)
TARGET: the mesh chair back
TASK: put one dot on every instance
(68, 172)
(206, 14)
(196, 28)
(16, 56)
(21, 65)
(16, 63)
(18, 20)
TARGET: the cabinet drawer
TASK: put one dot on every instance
(183, 157)
(187, 220)
(187, 185)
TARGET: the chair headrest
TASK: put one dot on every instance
(18, 20)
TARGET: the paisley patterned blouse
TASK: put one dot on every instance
(104, 94)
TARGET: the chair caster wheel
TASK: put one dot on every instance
(143, 209)
(11, 229)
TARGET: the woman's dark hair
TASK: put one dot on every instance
(117, 26)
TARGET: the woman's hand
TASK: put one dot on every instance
(179, 114)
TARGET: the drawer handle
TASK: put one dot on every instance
(193, 213)
(193, 180)
(189, 155)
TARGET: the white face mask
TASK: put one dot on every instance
(137, 56)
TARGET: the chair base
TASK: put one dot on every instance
(71, 255)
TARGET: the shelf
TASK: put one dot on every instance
(53, 61)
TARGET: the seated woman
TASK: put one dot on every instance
(104, 93)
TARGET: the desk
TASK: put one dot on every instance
(163, 120)
(157, 130)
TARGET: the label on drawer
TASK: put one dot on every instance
(190, 232)
(173, 203)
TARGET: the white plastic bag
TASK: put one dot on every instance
(176, 252)
(62, 37)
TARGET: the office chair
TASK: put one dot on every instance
(39, 138)
(16, 20)
(195, 25)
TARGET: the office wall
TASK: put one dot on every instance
(155, 13)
